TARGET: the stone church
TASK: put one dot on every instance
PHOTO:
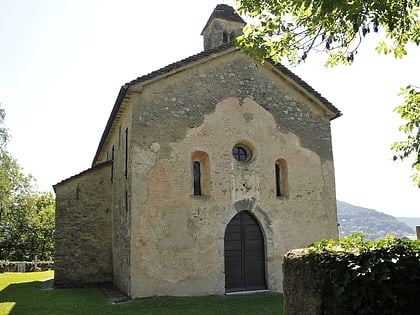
(208, 171)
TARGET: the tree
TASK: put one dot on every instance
(26, 216)
(293, 29)
(5, 161)
(4, 134)
(12, 181)
(28, 229)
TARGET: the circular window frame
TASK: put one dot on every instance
(246, 150)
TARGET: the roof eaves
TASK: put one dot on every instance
(308, 88)
(98, 166)
(110, 121)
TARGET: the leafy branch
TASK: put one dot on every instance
(409, 111)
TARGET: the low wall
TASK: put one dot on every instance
(380, 279)
(306, 290)
(25, 266)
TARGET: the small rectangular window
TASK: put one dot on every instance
(126, 201)
(112, 166)
(126, 152)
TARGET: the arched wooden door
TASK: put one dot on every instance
(244, 254)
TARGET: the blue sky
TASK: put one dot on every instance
(63, 62)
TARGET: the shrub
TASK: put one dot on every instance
(376, 277)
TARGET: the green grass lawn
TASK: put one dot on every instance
(20, 293)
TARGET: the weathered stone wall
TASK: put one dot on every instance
(119, 150)
(303, 284)
(177, 238)
(213, 34)
(83, 237)
(306, 288)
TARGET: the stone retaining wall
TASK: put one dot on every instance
(306, 290)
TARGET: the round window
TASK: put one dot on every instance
(241, 153)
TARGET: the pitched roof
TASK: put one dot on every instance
(225, 12)
(95, 167)
(187, 61)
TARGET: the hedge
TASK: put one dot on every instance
(378, 277)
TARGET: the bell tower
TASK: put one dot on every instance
(223, 26)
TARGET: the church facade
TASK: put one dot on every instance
(208, 171)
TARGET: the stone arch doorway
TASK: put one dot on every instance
(244, 254)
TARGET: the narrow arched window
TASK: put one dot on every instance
(200, 173)
(197, 178)
(282, 188)
(278, 181)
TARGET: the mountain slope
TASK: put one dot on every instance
(373, 224)
(411, 222)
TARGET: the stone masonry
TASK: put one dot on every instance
(83, 254)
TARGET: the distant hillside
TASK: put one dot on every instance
(373, 224)
(411, 222)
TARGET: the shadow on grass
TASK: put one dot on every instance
(28, 298)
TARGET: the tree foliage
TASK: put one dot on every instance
(293, 29)
(26, 216)
(4, 133)
(410, 112)
(27, 231)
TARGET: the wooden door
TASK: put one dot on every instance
(244, 254)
